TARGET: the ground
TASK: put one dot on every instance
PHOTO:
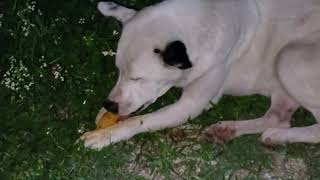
(57, 66)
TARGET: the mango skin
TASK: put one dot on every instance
(107, 120)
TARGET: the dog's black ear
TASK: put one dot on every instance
(175, 54)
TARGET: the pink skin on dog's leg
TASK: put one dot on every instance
(278, 115)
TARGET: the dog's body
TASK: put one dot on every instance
(216, 47)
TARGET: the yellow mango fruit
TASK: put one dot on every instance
(107, 120)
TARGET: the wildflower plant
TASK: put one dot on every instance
(17, 78)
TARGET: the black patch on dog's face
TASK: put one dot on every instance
(175, 54)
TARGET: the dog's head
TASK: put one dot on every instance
(150, 57)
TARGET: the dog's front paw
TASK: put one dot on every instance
(98, 139)
(275, 136)
(222, 132)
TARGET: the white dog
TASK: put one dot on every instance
(210, 48)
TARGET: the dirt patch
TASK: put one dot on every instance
(240, 174)
(181, 160)
(286, 168)
(183, 140)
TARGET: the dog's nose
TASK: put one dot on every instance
(111, 106)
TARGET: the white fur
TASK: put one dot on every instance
(237, 47)
(122, 14)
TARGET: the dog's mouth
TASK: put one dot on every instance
(135, 113)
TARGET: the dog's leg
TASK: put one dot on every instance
(194, 99)
(310, 134)
(279, 115)
(298, 70)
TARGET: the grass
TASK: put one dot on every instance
(53, 80)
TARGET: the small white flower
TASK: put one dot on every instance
(115, 32)
(1, 16)
(31, 6)
(89, 91)
(82, 21)
(40, 12)
(81, 129)
(109, 53)
(27, 87)
(21, 96)
(57, 40)
(48, 131)
(56, 74)
(61, 78)
(60, 19)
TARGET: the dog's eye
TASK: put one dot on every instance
(135, 79)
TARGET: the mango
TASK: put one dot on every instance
(107, 120)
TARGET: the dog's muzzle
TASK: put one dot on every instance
(111, 106)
